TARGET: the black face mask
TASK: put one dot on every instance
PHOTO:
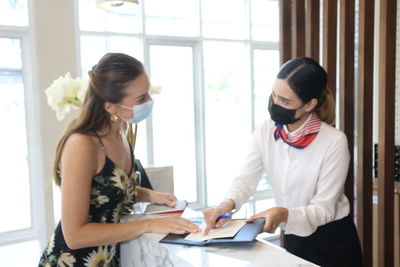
(281, 115)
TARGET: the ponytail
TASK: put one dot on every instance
(326, 107)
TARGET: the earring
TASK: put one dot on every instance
(113, 118)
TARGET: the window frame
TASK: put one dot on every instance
(40, 206)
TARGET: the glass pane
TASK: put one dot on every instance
(265, 20)
(172, 17)
(224, 19)
(56, 203)
(173, 116)
(266, 67)
(25, 254)
(227, 113)
(92, 18)
(14, 12)
(141, 144)
(13, 142)
(265, 204)
(10, 54)
(94, 47)
(264, 183)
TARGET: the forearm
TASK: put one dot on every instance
(227, 204)
(99, 234)
(143, 194)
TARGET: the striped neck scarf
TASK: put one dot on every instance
(302, 138)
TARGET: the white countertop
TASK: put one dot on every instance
(147, 251)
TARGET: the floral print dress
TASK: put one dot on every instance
(113, 194)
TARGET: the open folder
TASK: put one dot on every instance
(246, 234)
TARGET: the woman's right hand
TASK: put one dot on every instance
(211, 215)
(172, 224)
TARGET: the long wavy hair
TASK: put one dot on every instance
(108, 81)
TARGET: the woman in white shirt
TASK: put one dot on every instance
(306, 161)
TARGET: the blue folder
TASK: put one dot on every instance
(246, 234)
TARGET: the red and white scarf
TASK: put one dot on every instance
(302, 138)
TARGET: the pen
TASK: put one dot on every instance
(225, 216)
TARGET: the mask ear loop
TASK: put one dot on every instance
(125, 106)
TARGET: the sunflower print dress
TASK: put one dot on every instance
(113, 194)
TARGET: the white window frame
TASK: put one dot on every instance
(41, 212)
(198, 73)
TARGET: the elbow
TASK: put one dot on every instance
(73, 241)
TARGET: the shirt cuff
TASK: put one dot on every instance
(295, 223)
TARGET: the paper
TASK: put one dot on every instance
(228, 230)
(148, 208)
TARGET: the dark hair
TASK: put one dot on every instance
(309, 80)
(108, 81)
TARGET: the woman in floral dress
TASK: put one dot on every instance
(94, 168)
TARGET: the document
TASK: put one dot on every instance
(228, 230)
(148, 208)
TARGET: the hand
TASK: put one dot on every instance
(211, 215)
(273, 217)
(172, 224)
(163, 198)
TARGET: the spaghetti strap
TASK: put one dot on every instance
(132, 160)
(101, 143)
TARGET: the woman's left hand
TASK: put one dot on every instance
(273, 217)
(163, 198)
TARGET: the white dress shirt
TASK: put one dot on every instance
(309, 181)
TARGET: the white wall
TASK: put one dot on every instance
(56, 53)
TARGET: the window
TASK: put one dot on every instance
(14, 13)
(20, 226)
(216, 62)
(227, 112)
(173, 116)
(15, 164)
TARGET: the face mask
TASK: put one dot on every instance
(140, 112)
(281, 115)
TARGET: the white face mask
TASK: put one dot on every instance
(140, 112)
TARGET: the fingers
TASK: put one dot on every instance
(210, 221)
(176, 225)
(170, 203)
(187, 225)
(269, 227)
(252, 218)
(169, 200)
(172, 200)
(210, 224)
(221, 222)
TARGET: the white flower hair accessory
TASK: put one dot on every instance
(66, 94)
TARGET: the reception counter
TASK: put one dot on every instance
(147, 251)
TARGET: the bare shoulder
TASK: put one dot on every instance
(80, 149)
(81, 142)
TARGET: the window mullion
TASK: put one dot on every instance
(199, 121)
(42, 216)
